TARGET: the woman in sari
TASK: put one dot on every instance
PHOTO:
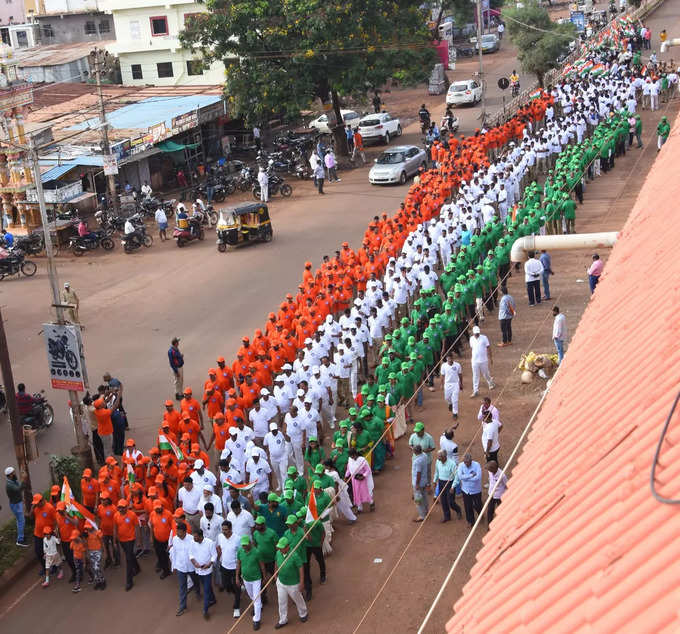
(359, 472)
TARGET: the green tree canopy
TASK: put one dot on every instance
(540, 41)
(281, 54)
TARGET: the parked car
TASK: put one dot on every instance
(465, 91)
(349, 117)
(490, 43)
(397, 164)
(381, 126)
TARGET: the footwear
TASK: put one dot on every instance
(206, 616)
(474, 394)
(418, 519)
(532, 304)
(501, 345)
(164, 574)
(179, 612)
(213, 602)
(22, 544)
(445, 519)
(102, 585)
(430, 389)
(278, 626)
(76, 589)
(256, 625)
(45, 584)
(545, 299)
(460, 515)
(237, 613)
(323, 579)
(492, 386)
(96, 585)
(372, 507)
(304, 618)
(128, 586)
(60, 575)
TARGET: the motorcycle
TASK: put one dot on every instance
(15, 262)
(424, 122)
(246, 179)
(148, 206)
(207, 218)
(107, 220)
(95, 239)
(42, 416)
(133, 241)
(276, 185)
(515, 88)
(184, 236)
(31, 244)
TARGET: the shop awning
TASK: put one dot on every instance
(171, 146)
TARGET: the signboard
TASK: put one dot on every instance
(110, 165)
(209, 113)
(503, 83)
(65, 357)
(121, 149)
(578, 19)
(15, 97)
(158, 132)
(184, 122)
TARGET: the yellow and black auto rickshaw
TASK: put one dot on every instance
(244, 224)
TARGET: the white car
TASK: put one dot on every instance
(466, 91)
(397, 164)
(380, 126)
(349, 117)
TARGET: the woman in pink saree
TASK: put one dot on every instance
(361, 477)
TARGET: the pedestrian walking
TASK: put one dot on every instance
(490, 440)
(349, 134)
(559, 333)
(250, 571)
(420, 438)
(93, 541)
(376, 101)
(662, 132)
(203, 555)
(70, 298)
(446, 482)
(420, 481)
(451, 375)
(124, 531)
(331, 166)
(257, 137)
(176, 359)
(507, 310)
(52, 557)
(263, 180)
(594, 272)
(15, 493)
(358, 146)
(480, 360)
(180, 557)
(227, 546)
(533, 270)
(319, 176)
(470, 475)
(359, 471)
(498, 482)
(44, 516)
(546, 263)
(162, 222)
(287, 572)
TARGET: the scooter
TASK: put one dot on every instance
(184, 236)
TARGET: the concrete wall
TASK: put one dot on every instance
(149, 60)
(67, 29)
(12, 9)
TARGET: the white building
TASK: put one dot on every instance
(148, 45)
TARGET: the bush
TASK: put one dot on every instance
(10, 553)
(68, 466)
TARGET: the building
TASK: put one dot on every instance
(12, 12)
(70, 21)
(586, 539)
(148, 46)
(56, 63)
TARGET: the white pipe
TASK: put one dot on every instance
(562, 242)
(674, 42)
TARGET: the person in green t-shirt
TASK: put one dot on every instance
(250, 569)
(274, 513)
(569, 211)
(292, 504)
(298, 481)
(340, 456)
(288, 566)
(314, 455)
(265, 541)
(662, 132)
(296, 535)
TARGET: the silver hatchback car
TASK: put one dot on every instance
(397, 164)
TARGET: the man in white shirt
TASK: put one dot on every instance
(559, 333)
(294, 429)
(275, 443)
(498, 482)
(209, 497)
(211, 522)
(257, 468)
(533, 269)
(201, 476)
(180, 559)
(203, 556)
(146, 189)
(485, 408)
(481, 357)
(242, 522)
(490, 441)
(452, 379)
(188, 497)
(227, 546)
(259, 419)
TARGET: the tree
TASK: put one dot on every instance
(281, 54)
(540, 41)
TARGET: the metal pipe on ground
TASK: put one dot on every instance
(562, 242)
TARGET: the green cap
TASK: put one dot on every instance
(391, 376)
(259, 519)
(385, 360)
(411, 340)
(344, 423)
(272, 497)
(418, 427)
(291, 519)
(370, 397)
(292, 470)
(364, 412)
(404, 366)
(318, 468)
(413, 355)
(364, 389)
(288, 485)
(313, 439)
(381, 398)
(288, 494)
(282, 543)
(340, 442)
(245, 540)
(404, 320)
(302, 512)
(382, 389)
(317, 484)
(388, 337)
(352, 411)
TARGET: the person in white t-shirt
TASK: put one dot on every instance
(211, 522)
(481, 357)
(227, 545)
(275, 443)
(447, 444)
(258, 470)
(242, 522)
(452, 380)
(259, 419)
(490, 441)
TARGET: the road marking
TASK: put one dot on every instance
(19, 599)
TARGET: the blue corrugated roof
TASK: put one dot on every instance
(91, 160)
(57, 171)
(151, 111)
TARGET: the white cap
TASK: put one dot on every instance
(9, 471)
(286, 366)
(300, 392)
(198, 464)
(316, 370)
(273, 426)
(308, 341)
(476, 330)
(67, 284)
(207, 486)
(264, 391)
(233, 431)
(308, 400)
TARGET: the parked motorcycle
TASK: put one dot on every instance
(32, 244)
(133, 241)
(15, 262)
(184, 236)
(276, 185)
(43, 415)
(148, 206)
(246, 179)
(95, 239)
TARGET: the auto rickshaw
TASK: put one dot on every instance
(243, 224)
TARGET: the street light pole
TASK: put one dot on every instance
(481, 68)
(83, 449)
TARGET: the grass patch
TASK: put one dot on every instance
(10, 553)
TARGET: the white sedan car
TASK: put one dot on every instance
(466, 91)
(397, 164)
(349, 117)
(380, 126)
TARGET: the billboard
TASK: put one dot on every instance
(65, 358)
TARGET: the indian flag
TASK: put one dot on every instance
(312, 510)
(535, 94)
(130, 474)
(165, 444)
(587, 67)
(73, 508)
(241, 487)
(598, 69)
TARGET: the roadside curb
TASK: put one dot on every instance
(16, 570)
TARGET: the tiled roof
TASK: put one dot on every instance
(580, 544)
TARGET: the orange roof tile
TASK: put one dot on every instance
(579, 543)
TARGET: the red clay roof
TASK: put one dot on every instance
(579, 543)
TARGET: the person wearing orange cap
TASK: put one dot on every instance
(246, 350)
(105, 423)
(191, 406)
(125, 524)
(260, 342)
(89, 488)
(171, 416)
(79, 548)
(220, 434)
(55, 494)
(106, 512)
(198, 454)
(213, 401)
(225, 377)
(44, 516)
(50, 543)
(93, 540)
(66, 525)
(131, 454)
(191, 427)
(160, 521)
(109, 485)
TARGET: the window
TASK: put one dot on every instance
(22, 39)
(136, 71)
(194, 67)
(159, 26)
(105, 26)
(135, 30)
(47, 30)
(164, 69)
(90, 28)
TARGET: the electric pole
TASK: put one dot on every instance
(99, 62)
(481, 69)
(14, 419)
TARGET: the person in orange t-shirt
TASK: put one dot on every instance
(213, 402)
(90, 490)
(110, 486)
(197, 454)
(94, 555)
(189, 405)
(160, 521)
(104, 425)
(171, 416)
(125, 524)
(189, 426)
(66, 526)
(220, 434)
(79, 549)
(44, 516)
(225, 377)
(106, 512)
(246, 350)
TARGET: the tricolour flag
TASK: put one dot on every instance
(312, 510)
(587, 67)
(165, 444)
(130, 474)
(598, 69)
(535, 94)
(73, 508)
(241, 487)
